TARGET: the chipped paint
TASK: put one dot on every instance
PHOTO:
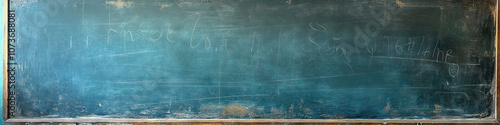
(387, 107)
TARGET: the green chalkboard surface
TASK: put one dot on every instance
(253, 59)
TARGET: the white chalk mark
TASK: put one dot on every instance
(168, 32)
(303, 49)
(125, 41)
(258, 46)
(83, 12)
(173, 68)
(310, 59)
(220, 70)
(253, 39)
(170, 82)
(322, 27)
(328, 47)
(350, 89)
(161, 34)
(107, 39)
(109, 14)
(349, 66)
(434, 52)
(279, 48)
(339, 38)
(250, 15)
(130, 82)
(470, 64)
(199, 86)
(342, 50)
(87, 41)
(169, 68)
(400, 50)
(469, 85)
(70, 41)
(421, 44)
(402, 58)
(370, 63)
(463, 93)
(453, 69)
(388, 45)
(122, 54)
(109, 19)
(321, 77)
(140, 28)
(278, 60)
(192, 32)
(170, 103)
(219, 97)
(209, 43)
(138, 34)
(313, 42)
(124, 37)
(270, 51)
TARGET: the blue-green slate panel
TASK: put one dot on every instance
(254, 59)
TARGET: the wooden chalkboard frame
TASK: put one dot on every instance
(4, 43)
(6, 119)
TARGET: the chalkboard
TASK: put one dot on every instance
(251, 59)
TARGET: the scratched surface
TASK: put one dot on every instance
(300, 59)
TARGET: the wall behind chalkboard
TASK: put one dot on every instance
(402, 59)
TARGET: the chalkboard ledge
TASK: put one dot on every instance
(118, 120)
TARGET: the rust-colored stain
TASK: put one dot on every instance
(486, 54)
(437, 106)
(437, 109)
(237, 111)
(387, 107)
(482, 6)
(492, 10)
(400, 4)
